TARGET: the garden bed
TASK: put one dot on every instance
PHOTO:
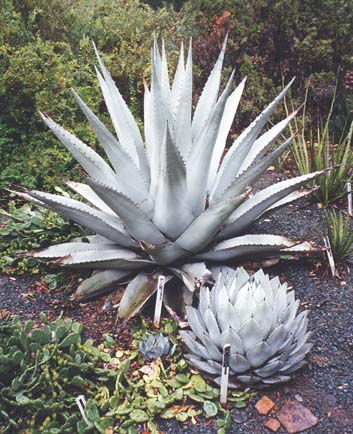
(324, 386)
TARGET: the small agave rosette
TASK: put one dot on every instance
(154, 347)
(258, 317)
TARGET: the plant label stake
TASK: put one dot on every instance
(349, 197)
(331, 260)
(225, 374)
(81, 403)
(159, 299)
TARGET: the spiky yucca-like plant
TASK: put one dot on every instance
(168, 199)
(258, 318)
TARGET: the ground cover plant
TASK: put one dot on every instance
(170, 202)
(43, 369)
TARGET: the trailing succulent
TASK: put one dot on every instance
(169, 202)
(258, 318)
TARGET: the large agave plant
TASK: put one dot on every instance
(257, 317)
(168, 200)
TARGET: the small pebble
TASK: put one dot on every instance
(298, 397)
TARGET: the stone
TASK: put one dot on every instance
(272, 424)
(295, 417)
(264, 405)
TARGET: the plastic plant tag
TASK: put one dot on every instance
(81, 403)
(159, 299)
(225, 374)
(349, 198)
(330, 258)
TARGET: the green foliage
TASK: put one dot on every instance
(45, 48)
(28, 227)
(319, 152)
(337, 228)
(269, 40)
(165, 388)
(43, 370)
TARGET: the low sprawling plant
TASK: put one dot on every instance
(26, 227)
(256, 316)
(44, 369)
(168, 202)
(319, 151)
(337, 228)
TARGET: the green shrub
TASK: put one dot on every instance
(46, 48)
(269, 40)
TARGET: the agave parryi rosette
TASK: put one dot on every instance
(258, 318)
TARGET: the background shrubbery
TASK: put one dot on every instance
(45, 48)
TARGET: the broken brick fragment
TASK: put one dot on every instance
(272, 424)
(264, 405)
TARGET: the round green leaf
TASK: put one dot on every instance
(139, 416)
(210, 409)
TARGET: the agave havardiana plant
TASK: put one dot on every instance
(258, 318)
(168, 201)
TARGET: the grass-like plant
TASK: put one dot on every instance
(167, 203)
(318, 151)
(337, 227)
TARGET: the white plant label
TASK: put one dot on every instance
(81, 403)
(330, 258)
(349, 198)
(225, 374)
(159, 300)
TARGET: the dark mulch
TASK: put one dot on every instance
(324, 386)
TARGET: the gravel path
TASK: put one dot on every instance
(324, 386)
